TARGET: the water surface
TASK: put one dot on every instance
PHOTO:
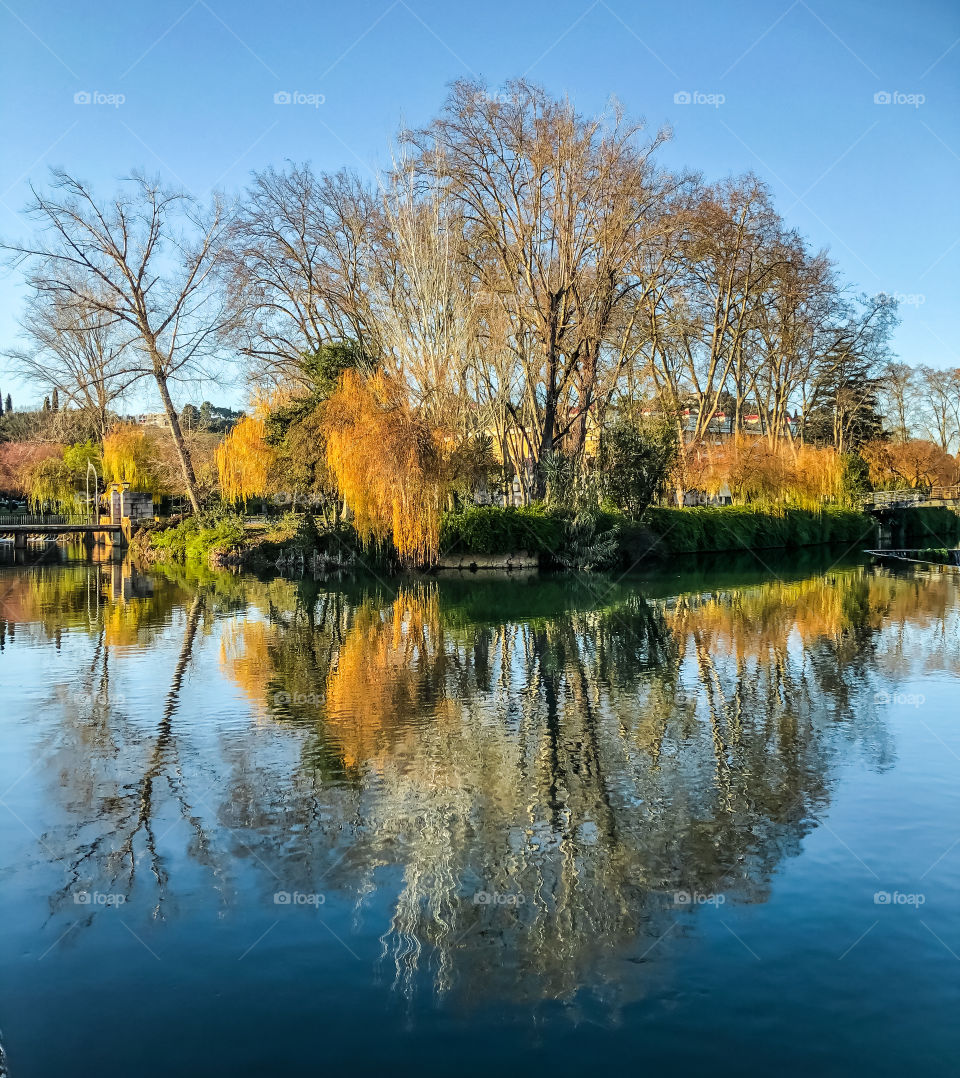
(706, 820)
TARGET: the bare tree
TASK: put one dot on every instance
(422, 299)
(898, 398)
(147, 262)
(939, 394)
(720, 324)
(299, 248)
(550, 202)
(733, 251)
(84, 357)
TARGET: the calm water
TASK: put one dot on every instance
(707, 821)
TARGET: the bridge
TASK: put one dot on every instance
(911, 498)
(23, 528)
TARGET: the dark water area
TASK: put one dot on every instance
(706, 819)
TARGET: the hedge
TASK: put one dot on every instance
(496, 530)
(736, 527)
(929, 522)
(492, 529)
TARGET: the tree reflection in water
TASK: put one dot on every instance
(534, 776)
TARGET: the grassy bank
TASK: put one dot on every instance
(492, 529)
(560, 538)
(222, 540)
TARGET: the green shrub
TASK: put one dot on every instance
(935, 522)
(297, 532)
(856, 477)
(735, 527)
(636, 459)
(562, 538)
(940, 555)
(492, 529)
(197, 537)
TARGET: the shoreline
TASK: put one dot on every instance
(499, 541)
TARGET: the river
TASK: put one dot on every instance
(705, 819)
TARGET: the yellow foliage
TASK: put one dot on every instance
(244, 459)
(754, 471)
(389, 466)
(913, 463)
(49, 481)
(130, 457)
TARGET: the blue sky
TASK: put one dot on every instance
(787, 89)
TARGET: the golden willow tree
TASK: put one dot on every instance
(393, 469)
(129, 456)
(49, 482)
(752, 471)
(244, 458)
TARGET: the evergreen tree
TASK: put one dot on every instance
(190, 417)
(55, 401)
(636, 460)
(846, 407)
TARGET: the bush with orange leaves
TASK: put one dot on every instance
(393, 470)
(913, 463)
(756, 472)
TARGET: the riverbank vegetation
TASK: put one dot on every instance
(529, 334)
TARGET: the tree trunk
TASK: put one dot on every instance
(548, 430)
(680, 469)
(186, 464)
(546, 447)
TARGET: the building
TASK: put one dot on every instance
(149, 419)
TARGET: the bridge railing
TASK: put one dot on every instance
(880, 499)
(28, 519)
